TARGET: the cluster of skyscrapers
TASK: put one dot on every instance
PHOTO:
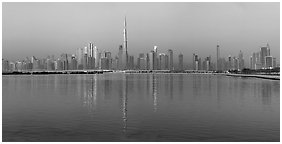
(232, 63)
(90, 58)
(262, 59)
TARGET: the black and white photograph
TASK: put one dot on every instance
(140, 71)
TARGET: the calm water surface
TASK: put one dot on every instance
(140, 107)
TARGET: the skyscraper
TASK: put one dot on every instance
(229, 64)
(85, 58)
(156, 59)
(162, 61)
(151, 60)
(274, 62)
(73, 63)
(263, 54)
(251, 62)
(120, 57)
(79, 58)
(131, 62)
(125, 58)
(180, 62)
(207, 63)
(96, 60)
(217, 58)
(254, 61)
(241, 60)
(268, 49)
(269, 62)
(170, 59)
(196, 62)
(91, 59)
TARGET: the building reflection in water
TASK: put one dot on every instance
(89, 97)
(180, 86)
(122, 91)
(155, 92)
(171, 86)
(196, 85)
(107, 86)
(266, 93)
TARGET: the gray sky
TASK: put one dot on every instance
(42, 29)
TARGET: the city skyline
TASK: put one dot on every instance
(12, 51)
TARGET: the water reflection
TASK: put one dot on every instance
(155, 92)
(266, 93)
(180, 86)
(107, 107)
(89, 97)
(124, 101)
(107, 86)
(171, 86)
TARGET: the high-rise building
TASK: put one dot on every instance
(241, 61)
(147, 61)
(162, 61)
(96, 60)
(268, 62)
(64, 59)
(99, 60)
(109, 60)
(258, 60)
(91, 57)
(151, 60)
(73, 65)
(142, 61)
(115, 63)
(125, 57)
(196, 62)
(235, 63)
(131, 62)
(207, 64)
(263, 54)
(59, 64)
(12, 66)
(274, 62)
(251, 62)
(229, 63)
(268, 49)
(5, 65)
(156, 58)
(85, 58)
(170, 59)
(80, 56)
(199, 64)
(167, 62)
(50, 65)
(217, 58)
(180, 61)
(120, 57)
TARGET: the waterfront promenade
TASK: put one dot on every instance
(272, 77)
(263, 76)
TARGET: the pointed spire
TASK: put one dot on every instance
(125, 21)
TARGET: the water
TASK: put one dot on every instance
(140, 107)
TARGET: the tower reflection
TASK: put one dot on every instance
(89, 97)
(266, 93)
(155, 92)
(123, 89)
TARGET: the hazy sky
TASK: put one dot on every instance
(43, 29)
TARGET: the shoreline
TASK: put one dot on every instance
(270, 77)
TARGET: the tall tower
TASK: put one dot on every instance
(217, 57)
(125, 44)
(96, 57)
